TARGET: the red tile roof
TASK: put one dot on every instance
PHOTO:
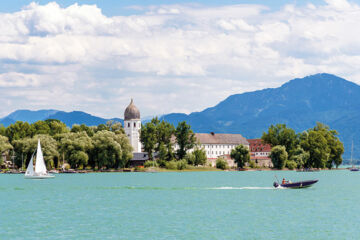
(257, 145)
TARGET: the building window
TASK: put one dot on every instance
(128, 124)
(134, 124)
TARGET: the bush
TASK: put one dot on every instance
(291, 164)
(161, 163)
(176, 165)
(221, 164)
(252, 164)
(172, 165)
(182, 164)
(190, 157)
(149, 163)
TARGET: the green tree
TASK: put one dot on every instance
(221, 163)
(185, 139)
(336, 147)
(115, 126)
(110, 150)
(4, 146)
(199, 156)
(2, 130)
(148, 138)
(281, 135)
(19, 130)
(279, 156)
(315, 143)
(40, 127)
(56, 127)
(83, 128)
(300, 157)
(291, 164)
(164, 133)
(102, 127)
(241, 155)
(75, 147)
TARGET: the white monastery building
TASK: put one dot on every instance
(219, 144)
(132, 126)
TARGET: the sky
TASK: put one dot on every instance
(169, 56)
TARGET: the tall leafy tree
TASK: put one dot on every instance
(19, 130)
(2, 130)
(110, 150)
(279, 156)
(281, 135)
(75, 147)
(148, 138)
(40, 127)
(4, 146)
(185, 139)
(83, 128)
(115, 126)
(335, 145)
(199, 156)
(164, 133)
(323, 145)
(241, 155)
(300, 157)
(56, 127)
(315, 143)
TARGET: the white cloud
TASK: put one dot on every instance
(169, 58)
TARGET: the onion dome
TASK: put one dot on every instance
(131, 112)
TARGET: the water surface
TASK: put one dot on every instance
(189, 205)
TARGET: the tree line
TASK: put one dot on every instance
(317, 147)
(171, 145)
(96, 147)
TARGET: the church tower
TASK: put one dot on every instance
(132, 126)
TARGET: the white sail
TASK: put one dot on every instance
(40, 167)
(30, 168)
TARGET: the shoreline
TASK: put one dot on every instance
(149, 170)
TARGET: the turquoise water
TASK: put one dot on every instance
(192, 205)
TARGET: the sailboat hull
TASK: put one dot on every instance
(39, 176)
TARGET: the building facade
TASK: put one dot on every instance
(132, 125)
(260, 152)
(220, 145)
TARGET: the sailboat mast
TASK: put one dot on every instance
(352, 148)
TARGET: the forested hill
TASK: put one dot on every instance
(69, 118)
(299, 103)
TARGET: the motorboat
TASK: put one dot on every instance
(302, 184)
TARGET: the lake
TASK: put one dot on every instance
(186, 205)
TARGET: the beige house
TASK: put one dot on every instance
(220, 145)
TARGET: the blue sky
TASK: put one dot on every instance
(170, 56)
(116, 7)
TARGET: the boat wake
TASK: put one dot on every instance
(241, 188)
(181, 188)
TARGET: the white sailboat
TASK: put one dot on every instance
(353, 168)
(39, 172)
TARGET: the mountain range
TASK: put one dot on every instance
(299, 103)
(69, 118)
